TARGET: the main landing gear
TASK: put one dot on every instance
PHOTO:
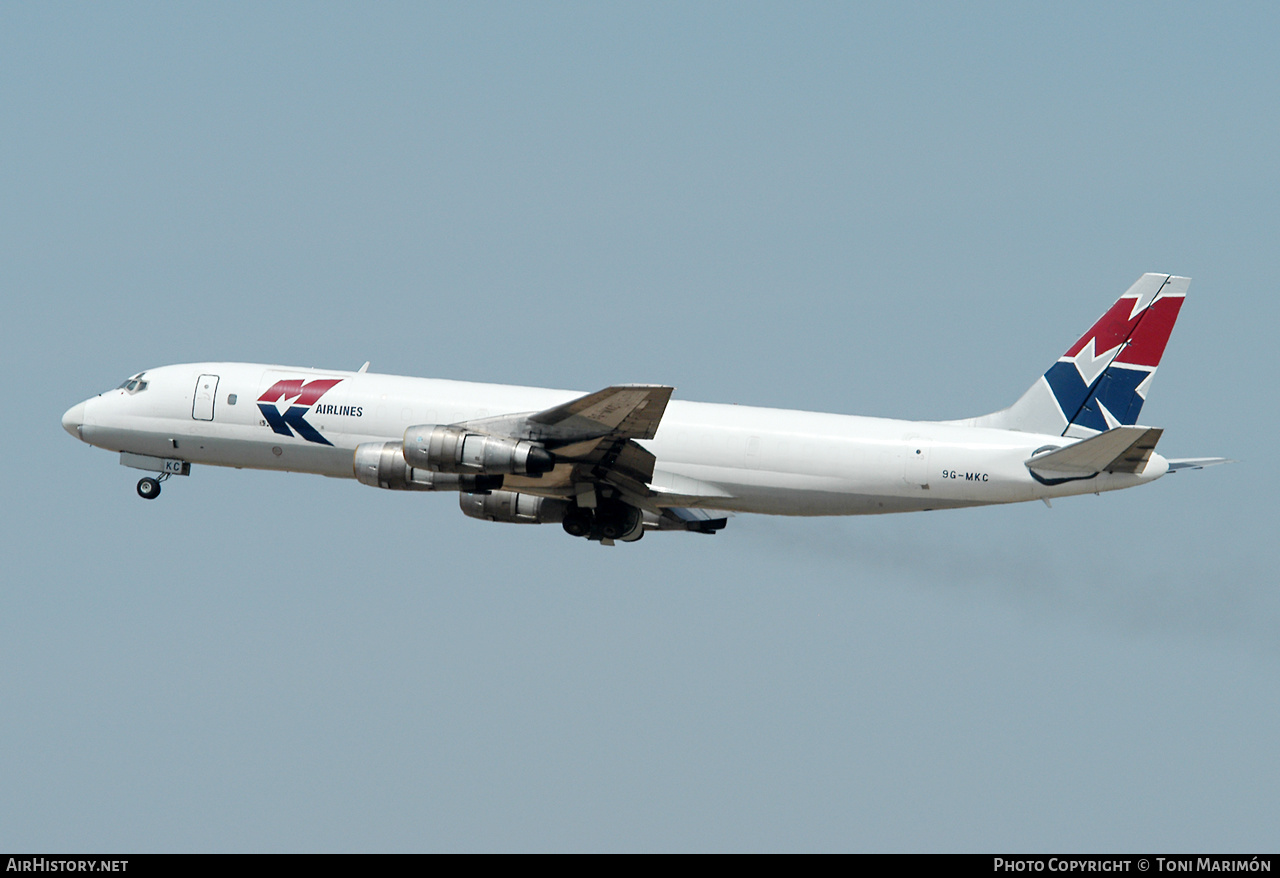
(149, 488)
(610, 520)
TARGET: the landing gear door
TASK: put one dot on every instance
(206, 390)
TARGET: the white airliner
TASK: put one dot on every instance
(612, 464)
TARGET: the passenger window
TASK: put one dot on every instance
(231, 399)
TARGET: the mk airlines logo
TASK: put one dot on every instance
(1138, 329)
(1102, 380)
(301, 396)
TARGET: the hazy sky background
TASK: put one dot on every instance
(900, 210)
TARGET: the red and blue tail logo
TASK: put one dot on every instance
(1102, 380)
(302, 396)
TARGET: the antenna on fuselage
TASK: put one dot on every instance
(364, 368)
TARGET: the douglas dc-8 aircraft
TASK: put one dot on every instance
(613, 464)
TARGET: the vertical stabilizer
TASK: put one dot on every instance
(1102, 380)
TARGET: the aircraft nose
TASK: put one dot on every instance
(73, 420)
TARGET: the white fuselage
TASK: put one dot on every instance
(727, 457)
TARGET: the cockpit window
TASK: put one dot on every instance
(136, 384)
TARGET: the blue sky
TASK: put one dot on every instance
(899, 210)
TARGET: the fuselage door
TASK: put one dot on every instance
(206, 390)
(915, 462)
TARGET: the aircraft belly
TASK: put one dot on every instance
(222, 446)
(815, 502)
(783, 493)
(293, 456)
(956, 477)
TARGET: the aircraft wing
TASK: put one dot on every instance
(592, 438)
(630, 411)
(624, 411)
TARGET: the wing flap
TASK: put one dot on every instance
(673, 489)
(696, 520)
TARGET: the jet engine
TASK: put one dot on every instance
(446, 449)
(515, 508)
(382, 465)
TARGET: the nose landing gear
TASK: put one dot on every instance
(149, 488)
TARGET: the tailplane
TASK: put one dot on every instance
(1102, 380)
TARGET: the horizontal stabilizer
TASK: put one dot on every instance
(1197, 462)
(1118, 450)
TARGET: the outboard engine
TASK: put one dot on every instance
(447, 449)
(512, 507)
(382, 465)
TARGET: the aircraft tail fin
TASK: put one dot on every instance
(1102, 380)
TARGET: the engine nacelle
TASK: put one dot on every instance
(459, 450)
(382, 465)
(516, 508)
